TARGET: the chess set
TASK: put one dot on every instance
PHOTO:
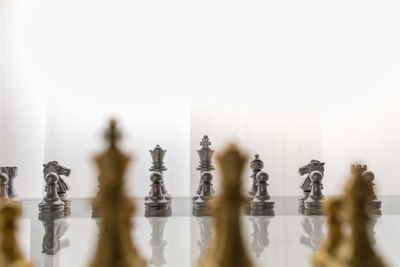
(351, 211)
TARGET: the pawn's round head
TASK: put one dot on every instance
(52, 178)
(370, 176)
(206, 176)
(316, 176)
(3, 178)
(262, 176)
(156, 177)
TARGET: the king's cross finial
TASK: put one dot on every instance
(205, 142)
(112, 134)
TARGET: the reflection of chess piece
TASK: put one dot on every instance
(157, 241)
(115, 246)
(11, 172)
(260, 235)
(3, 186)
(262, 204)
(205, 165)
(313, 227)
(157, 155)
(156, 203)
(375, 203)
(205, 232)
(51, 203)
(54, 229)
(10, 254)
(256, 165)
(305, 184)
(227, 248)
(312, 205)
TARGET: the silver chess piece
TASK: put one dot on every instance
(157, 155)
(51, 204)
(312, 205)
(11, 172)
(261, 204)
(62, 186)
(375, 204)
(156, 204)
(4, 186)
(305, 184)
(157, 241)
(205, 190)
(256, 165)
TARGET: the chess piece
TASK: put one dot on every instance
(157, 155)
(4, 186)
(156, 203)
(256, 165)
(96, 199)
(305, 184)
(157, 241)
(205, 165)
(10, 254)
(375, 204)
(54, 229)
(327, 255)
(205, 232)
(115, 246)
(313, 228)
(51, 204)
(312, 205)
(260, 234)
(11, 172)
(262, 205)
(227, 249)
(62, 186)
(357, 251)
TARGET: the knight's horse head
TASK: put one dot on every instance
(54, 166)
(314, 165)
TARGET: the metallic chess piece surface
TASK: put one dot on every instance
(51, 203)
(11, 172)
(62, 186)
(305, 184)
(260, 234)
(157, 242)
(54, 229)
(261, 204)
(312, 205)
(156, 203)
(4, 186)
(205, 188)
(157, 155)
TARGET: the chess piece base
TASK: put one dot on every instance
(158, 209)
(201, 208)
(52, 209)
(312, 207)
(262, 208)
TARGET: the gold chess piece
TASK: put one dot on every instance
(115, 246)
(325, 257)
(10, 254)
(227, 249)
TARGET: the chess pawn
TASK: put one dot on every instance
(157, 155)
(375, 204)
(260, 235)
(201, 204)
(312, 204)
(157, 241)
(227, 248)
(10, 254)
(205, 165)
(4, 186)
(305, 184)
(256, 165)
(262, 204)
(51, 203)
(156, 204)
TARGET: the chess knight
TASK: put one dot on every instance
(62, 186)
(306, 183)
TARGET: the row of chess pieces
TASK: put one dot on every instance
(115, 246)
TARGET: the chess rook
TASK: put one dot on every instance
(305, 184)
(51, 204)
(312, 205)
(261, 204)
(11, 172)
(4, 186)
(156, 204)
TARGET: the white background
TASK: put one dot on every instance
(290, 80)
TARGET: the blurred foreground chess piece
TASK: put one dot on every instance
(262, 205)
(96, 199)
(11, 172)
(205, 191)
(306, 183)
(10, 254)
(227, 249)
(256, 165)
(375, 204)
(3, 186)
(312, 205)
(355, 248)
(62, 186)
(115, 247)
